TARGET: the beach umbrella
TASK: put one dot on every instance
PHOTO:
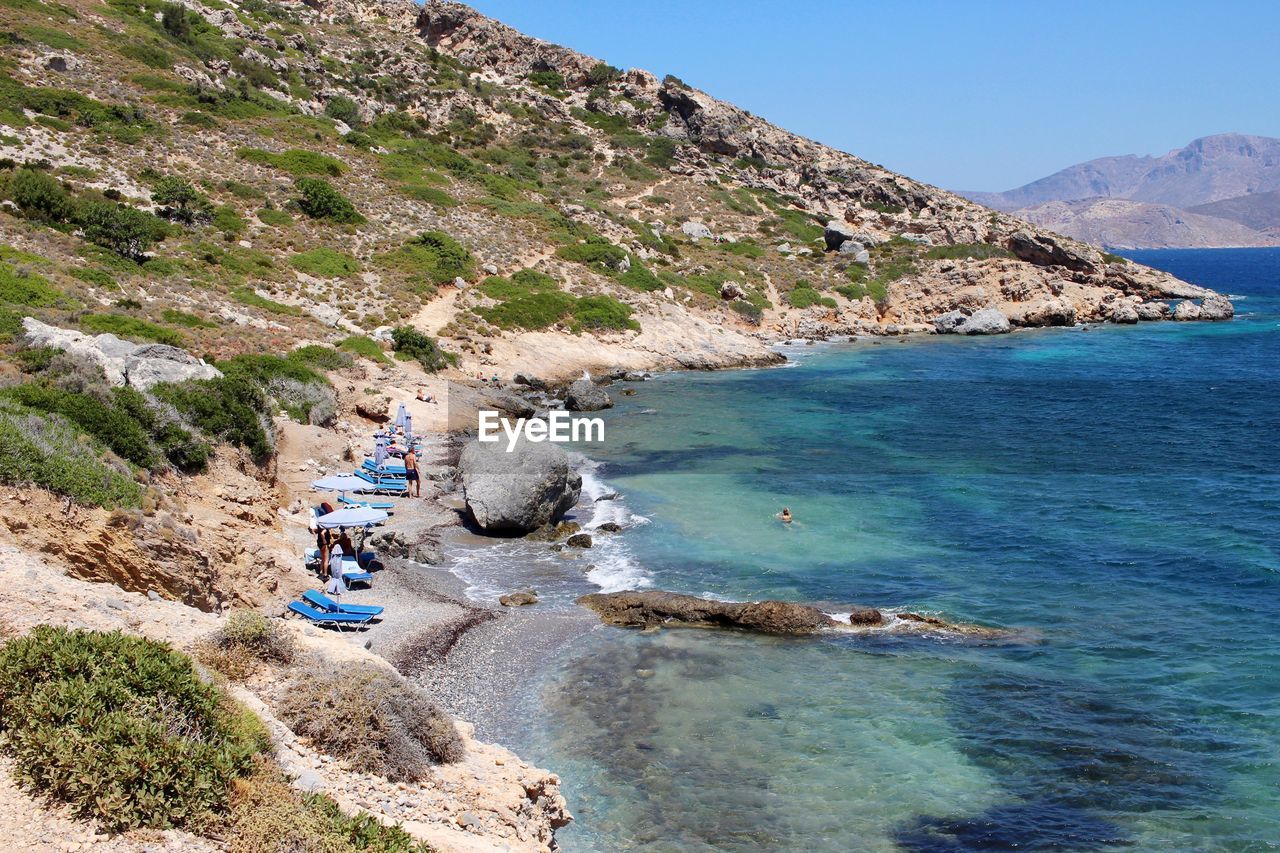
(401, 415)
(339, 483)
(408, 427)
(352, 516)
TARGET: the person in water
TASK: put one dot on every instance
(785, 515)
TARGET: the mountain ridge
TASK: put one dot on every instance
(1172, 196)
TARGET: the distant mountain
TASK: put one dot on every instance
(1122, 224)
(1217, 191)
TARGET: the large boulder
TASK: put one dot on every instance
(654, 608)
(950, 322)
(985, 321)
(586, 396)
(1153, 310)
(1123, 312)
(1186, 310)
(1044, 311)
(520, 490)
(1045, 252)
(123, 362)
(1216, 307)
(696, 231)
(836, 234)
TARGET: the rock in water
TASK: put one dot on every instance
(518, 599)
(654, 608)
(1216, 307)
(579, 540)
(985, 321)
(517, 491)
(586, 396)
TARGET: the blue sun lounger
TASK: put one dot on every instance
(320, 617)
(388, 485)
(328, 605)
(343, 499)
(388, 469)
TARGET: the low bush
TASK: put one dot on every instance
(275, 218)
(320, 200)
(131, 328)
(530, 311)
(268, 815)
(1109, 258)
(23, 287)
(295, 161)
(122, 729)
(375, 721)
(434, 255)
(343, 109)
(410, 343)
(321, 357)
(187, 319)
(181, 201)
(365, 347)
(595, 252)
(127, 231)
(41, 196)
(598, 313)
(246, 639)
(325, 263)
(105, 422)
(248, 296)
(231, 408)
(302, 392)
(803, 296)
(48, 451)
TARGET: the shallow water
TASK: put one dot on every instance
(1112, 492)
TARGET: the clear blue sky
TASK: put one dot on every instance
(965, 95)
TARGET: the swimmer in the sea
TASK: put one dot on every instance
(785, 515)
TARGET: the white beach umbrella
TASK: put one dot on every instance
(401, 415)
(408, 427)
(339, 483)
(352, 516)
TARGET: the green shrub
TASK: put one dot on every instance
(532, 311)
(20, 287)
(41, 196)
(275, 218)
(321, 357)
(742, 248)
(47, 451)
(595, 252)
(602, 312)
(325, 263)
(435, 256)
(411, 343)
(232, 408)
(374, 721)
(182, 202)
(752, 313)
(321, 201)
(128, 232)
(343, 109)
(183, 318)
(108, 424)
(122, 728)
(1109, 258)
(248, 296)
(553, 81)
(958, 251)
(365, 347)
(804, 296)
(603, 74)
(93, 275)
(639, 277)
(131, 328)
(227, 219)
(522, 283)
(148, 54)
(296, 161)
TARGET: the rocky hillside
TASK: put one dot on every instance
(1216, 191)
(326, 172)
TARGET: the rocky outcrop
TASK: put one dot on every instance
(586, 396)
(520, 490)
(1213, 307)
(518, 599)
(651, 609)
(124, 362)
(1043, 251)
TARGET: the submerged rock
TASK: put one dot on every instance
(579, 540)
(517, 491)
(656, 608)
(518, 599)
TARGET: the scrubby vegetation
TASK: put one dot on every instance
(122, 729)
(320, 200)
(325, 263)
(375, 721)
(433, 257)
(975, 251)
(803, 295)
(408, 342)
(246, 640)
(365, 347)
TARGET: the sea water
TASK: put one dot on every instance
(1109, 494)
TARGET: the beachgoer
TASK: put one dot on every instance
(785, 515)
(422, 395)
(411, 471)
(322, 551)
(344, 541)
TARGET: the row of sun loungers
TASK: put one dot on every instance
(320, 609)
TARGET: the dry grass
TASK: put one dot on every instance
(375, 721)
(244, 643)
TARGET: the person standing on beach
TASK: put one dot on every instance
(411, 471)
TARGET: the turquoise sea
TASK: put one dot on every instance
(1114, 494)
